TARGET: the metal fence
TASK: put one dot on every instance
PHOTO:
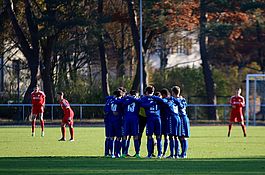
(196, 112)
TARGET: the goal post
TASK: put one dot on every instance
(255, 98)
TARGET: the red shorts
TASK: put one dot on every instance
(65, 121)
(236, 117)
(66, 117)
(37, 110)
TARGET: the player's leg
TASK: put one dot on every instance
(171, 146)
(229, 129)
(243, 126)
(71, 129)
(157, 132)
(142, 124)
(33, 124)
(63, 131)
(107, 138)
(177, 145)
(184, 146)
(111, 139)
(149, 134)
(41, 123)
(165, 144)
(231, 121)
(125, 134)
(117, 146)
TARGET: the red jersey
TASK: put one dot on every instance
(237, 102)
(68, 112)
(37, 98)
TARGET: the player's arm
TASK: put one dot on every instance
(242, 104)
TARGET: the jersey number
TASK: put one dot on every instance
(131, 107)
(113, 107)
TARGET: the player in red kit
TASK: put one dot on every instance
(38, 102)
(237, 102)
(68, 117)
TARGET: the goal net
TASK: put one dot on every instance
(255, 99)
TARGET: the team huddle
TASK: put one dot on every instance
(163, 113)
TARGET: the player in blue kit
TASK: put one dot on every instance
(173, 122)
(164, 118)
(185, 123)
(115, 124)
(107, 111)
(152, 106)
(131, 122)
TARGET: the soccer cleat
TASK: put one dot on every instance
(113, 156)
(33, 134)
(159, 156)
(71, 140)
(170, 157)
(42, 133)
(149, 157)
(62, 139)
(137, 156)
(123, 156)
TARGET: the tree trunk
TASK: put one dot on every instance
(208, 79)
(136, 41)
(102, 54)
(30, 51)
(46, 71)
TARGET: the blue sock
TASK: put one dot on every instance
(159, 146)
(176, 147)
(185, 141)
(153, 146)
(150, 146)
(107, 146)
(128, 145)
(136, 146)
(165, 146)
(124, 146)
(172, 146)
(111, 147)
(119, 148)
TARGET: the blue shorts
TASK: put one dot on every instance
(153, 126)
(131, 126)
(185, 126)
(107, 126)
(164, 126)
(115, 128)
(174, 126)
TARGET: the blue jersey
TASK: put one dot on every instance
(182, 104)
(171, 107)
(116, 109)
(152, 105)
(107, 107)
(131, 106)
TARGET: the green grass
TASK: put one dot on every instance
(210, 152)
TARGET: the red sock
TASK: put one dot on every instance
(63, 132)
(42, 125)
(229, 129)
(71, 132)
(33, 123)
(244, 130)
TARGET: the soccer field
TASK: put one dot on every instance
(210, 152)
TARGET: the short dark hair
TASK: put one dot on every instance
(117, 93)
(122, 89)
(176, 90)
(60, 93)
(165, 92)
(133, 92)
(157, 93)
(150, 89)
